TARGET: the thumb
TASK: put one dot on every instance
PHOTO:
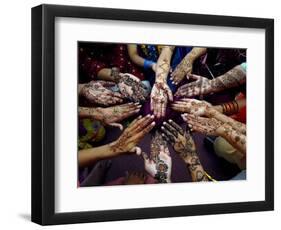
(118, 125)
(136, 150)
(144, 156)
(194, 76)
(170, 95)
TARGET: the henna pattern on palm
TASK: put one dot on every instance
(159, 165)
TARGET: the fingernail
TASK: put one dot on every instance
(164, 122)
(152, 116)
(153, 123)
(170, 120)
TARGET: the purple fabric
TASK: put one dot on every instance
(218, 168)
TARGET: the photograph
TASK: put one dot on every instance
(158, 113)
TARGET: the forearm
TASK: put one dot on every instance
(133, 54)
(90, 112)
(87, 157)
(236, 125)
(233, 78)
(105, 74)
(195, 53)
(230, 108)
(196, 169)
(163, 64)
(235, 138)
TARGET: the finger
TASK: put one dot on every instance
(176, 126)
(136, 150)
(184, 117)
(118, 95)
(118, 125)
(151, 104)
(168, 139)
(144, 156)
(143, 123)
(131, 107)
(131, 113)
(134, 122)
(189, 100)
(170, 128)
(170, 94)
(146, 130)
(168, 134)
(178, 108)
(194, 76)
(107, 83)
(157, 111)
(163, 109)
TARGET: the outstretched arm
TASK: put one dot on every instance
(111, 115)
(126, 143)
(214, 127)
(138, 60)
(185, 66)
(203, 86)
(161, 92)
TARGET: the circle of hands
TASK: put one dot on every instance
(194, 112)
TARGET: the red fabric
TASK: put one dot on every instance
(115, 56)
(241, 115)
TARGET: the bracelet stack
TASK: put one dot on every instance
(230, 108)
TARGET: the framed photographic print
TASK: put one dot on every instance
(143, 114)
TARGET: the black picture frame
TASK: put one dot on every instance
(43, 113)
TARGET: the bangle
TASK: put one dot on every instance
(147, 64)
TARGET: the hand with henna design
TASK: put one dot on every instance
(207, 126)
(200, 86)
(132, 88)
(97, 93)
(161, 93)
(159, 97)
(182, 70)
(184, 145)
(132, 135)
(193, 106)
(159, 165)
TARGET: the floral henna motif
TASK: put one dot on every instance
(132, 88)
(162, 169)
(159, 164)
(97, 93)
(207, 126)
(184, 145)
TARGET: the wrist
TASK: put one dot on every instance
(113, 148)
(218, 108)
(98, 113)
(192, 161)
(211, 111)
